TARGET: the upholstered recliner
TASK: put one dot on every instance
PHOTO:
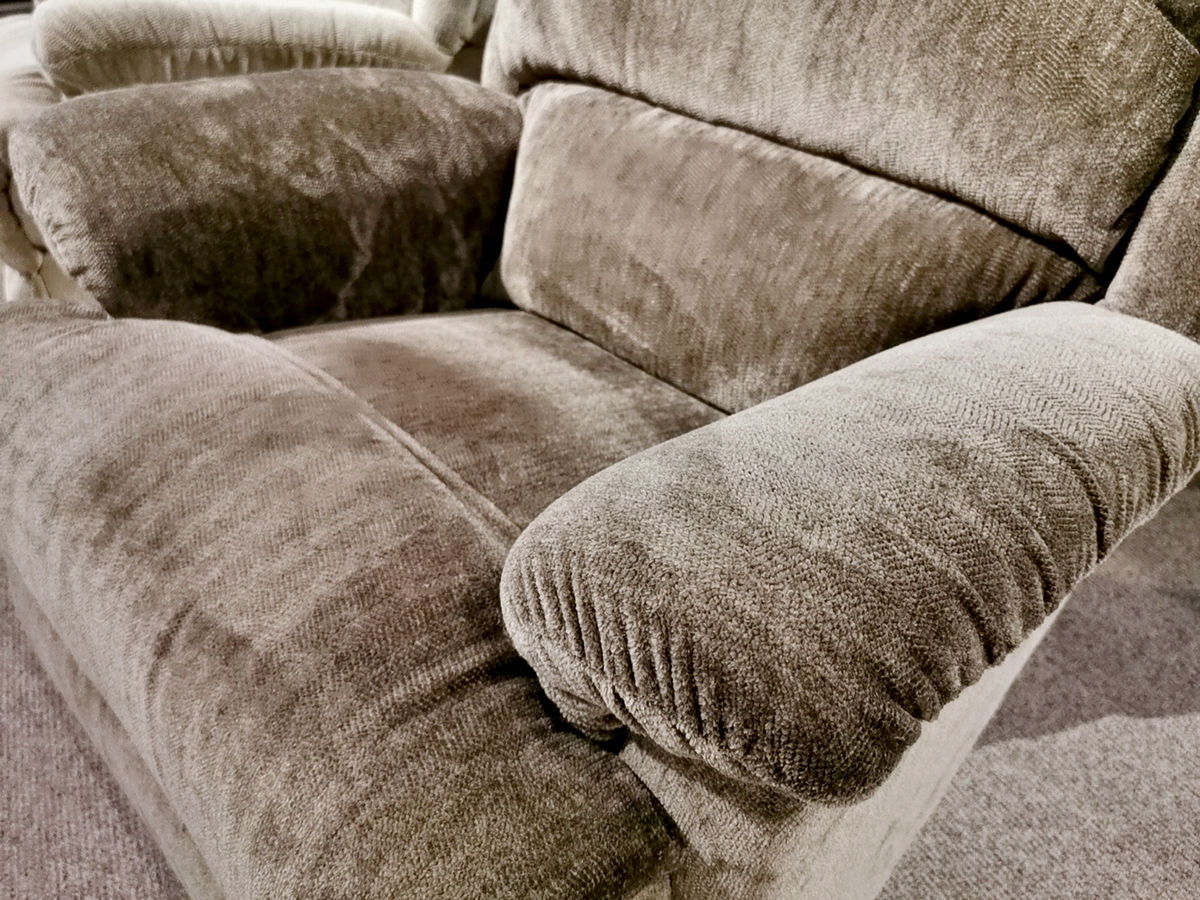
(829, 347)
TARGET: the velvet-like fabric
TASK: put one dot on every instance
(1054, 117)
(523, 410)
(291, 608)
(788, 593)
(268, 201)
(1159, 276)
(97, 45)
(737, 269)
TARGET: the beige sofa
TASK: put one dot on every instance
(771, 520)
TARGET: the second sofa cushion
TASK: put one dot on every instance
(267, 201)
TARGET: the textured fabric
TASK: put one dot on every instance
(273, 200)
(737, 269)
(1052, 117)
(1084, 784)
(523, 410)
(750, 843)
(23, 91)
(1184, 15)
(1160, 272)
(291, 609)
(95, 45)
(788, 593)
(67, 832)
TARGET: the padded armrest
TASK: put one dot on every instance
(272, 200)
(789, 593)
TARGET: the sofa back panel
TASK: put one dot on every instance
(1054, 117)
(292, 611)
(733, 267)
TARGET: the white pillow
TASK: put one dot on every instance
(89, 45)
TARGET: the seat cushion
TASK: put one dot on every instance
(290, 609)
(521, 409)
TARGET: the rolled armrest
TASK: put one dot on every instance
(789, 593)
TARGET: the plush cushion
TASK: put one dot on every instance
(523, 410)
(265, 201)
(1054, 118)
(735, 268)
(1159, 277)
(789, 593)
(291, 609)
(95, 45)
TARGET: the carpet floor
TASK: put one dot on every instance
(1085, 785)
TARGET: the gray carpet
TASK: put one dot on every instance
(1086, 785)
(1087, 782)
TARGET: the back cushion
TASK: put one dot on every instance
(735, 268)
(802, 183)
(1052, 116)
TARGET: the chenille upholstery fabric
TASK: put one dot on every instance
(1160, 272)
(268, 201)
(1058, 126)
(736, 268)
(96, 45)
(521, 409)
(291, 609)
(787, 594)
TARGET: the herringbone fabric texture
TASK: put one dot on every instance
(788, 593)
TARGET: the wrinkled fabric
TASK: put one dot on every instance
(96, 45)
(1054, 117)
(789, 593)
(737, 269)
(269, 201)
(291, 609)
(521, 409)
